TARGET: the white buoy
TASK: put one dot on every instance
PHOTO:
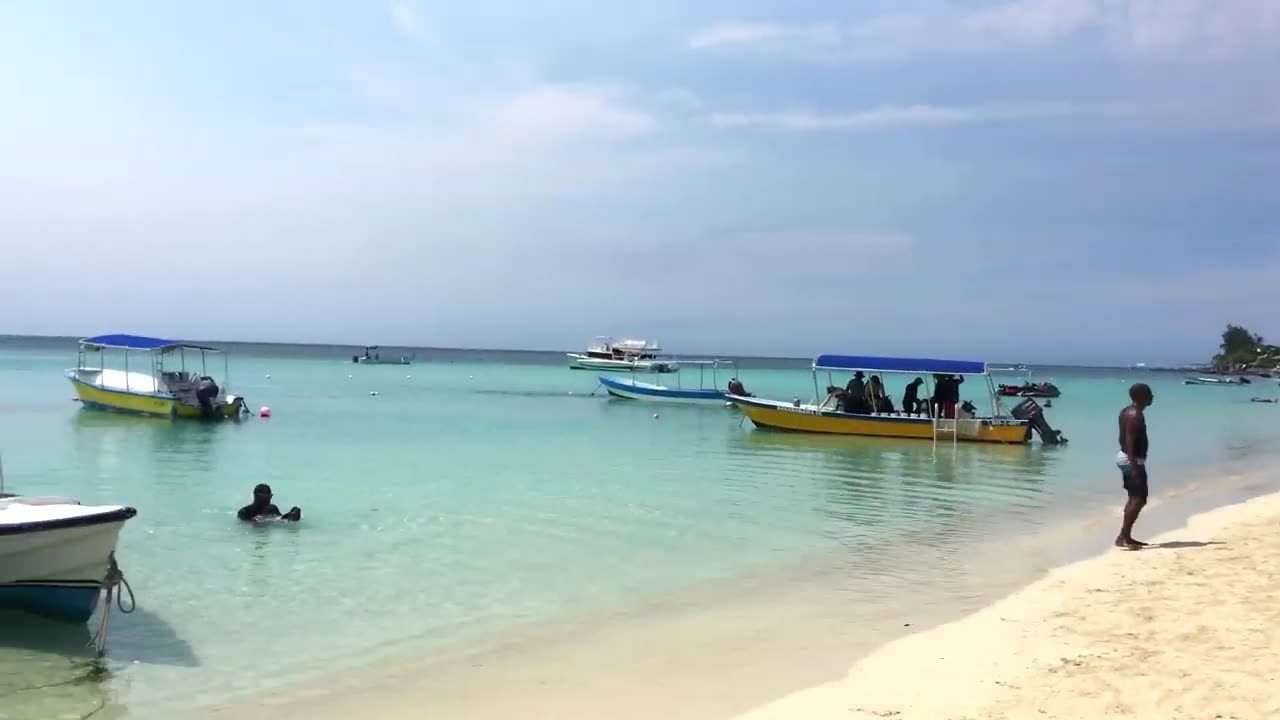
(471, 377)
(268, 376)
(655, 416)
(408, 377)
(350, 376)
(264, 412)
(571, 392)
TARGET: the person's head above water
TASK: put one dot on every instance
(262, 493)
(1141, 395)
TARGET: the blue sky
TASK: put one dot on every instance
(1040, 180)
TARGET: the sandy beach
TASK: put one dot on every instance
(1189, 628)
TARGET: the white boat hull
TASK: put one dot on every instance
(54, 555)
(1212, 381)
(636, 390)
(578, 361)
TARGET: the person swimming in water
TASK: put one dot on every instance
(263, 509)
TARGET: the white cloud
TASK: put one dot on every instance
(552, 112)
(1030, 22)
(1143, 27)
(407, 16)
(724, 35)
(892, 117)
(1197, 27)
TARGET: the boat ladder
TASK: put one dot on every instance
(969, 427)
(946, 426)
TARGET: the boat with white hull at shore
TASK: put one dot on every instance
(55, 554)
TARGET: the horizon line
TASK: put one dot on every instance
(277, 343)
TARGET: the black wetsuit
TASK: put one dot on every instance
(253, 511)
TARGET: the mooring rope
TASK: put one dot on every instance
(114, 579)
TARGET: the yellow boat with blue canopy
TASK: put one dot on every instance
(931, 421)
(161, 385)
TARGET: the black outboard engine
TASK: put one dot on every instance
(1030, 410)
(206, 393)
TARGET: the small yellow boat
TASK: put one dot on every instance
(158, 388)
(932, 422)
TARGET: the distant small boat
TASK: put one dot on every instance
(55, 554)
(156, 387)
(1206, 380)
(373, 356)
(707, 391)
(605, 354)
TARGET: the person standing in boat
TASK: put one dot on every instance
(911, 398)
(876, 395)
(946, 394)
(855, 395)
(1132, 460)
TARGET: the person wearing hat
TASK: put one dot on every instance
(855, 395)
(263, 509)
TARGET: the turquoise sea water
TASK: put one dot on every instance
(481, 491)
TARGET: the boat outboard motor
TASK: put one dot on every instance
(206, 393)
(1030, 410)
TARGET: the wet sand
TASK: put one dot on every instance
(1189, 628)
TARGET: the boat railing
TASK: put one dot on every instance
(979, 369)
(715, 365)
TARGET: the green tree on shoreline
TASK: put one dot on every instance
(1241, 349)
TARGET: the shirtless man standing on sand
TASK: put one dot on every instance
(1132, 460)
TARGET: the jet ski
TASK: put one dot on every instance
(1030, 389)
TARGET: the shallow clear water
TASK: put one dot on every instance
(480, 494)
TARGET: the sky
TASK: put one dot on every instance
(1089, 181)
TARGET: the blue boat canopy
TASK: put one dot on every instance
(138, 342)
(902, 365)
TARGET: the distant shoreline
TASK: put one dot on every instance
(53, 341)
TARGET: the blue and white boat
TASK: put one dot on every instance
(55, 554)
(708, 389)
